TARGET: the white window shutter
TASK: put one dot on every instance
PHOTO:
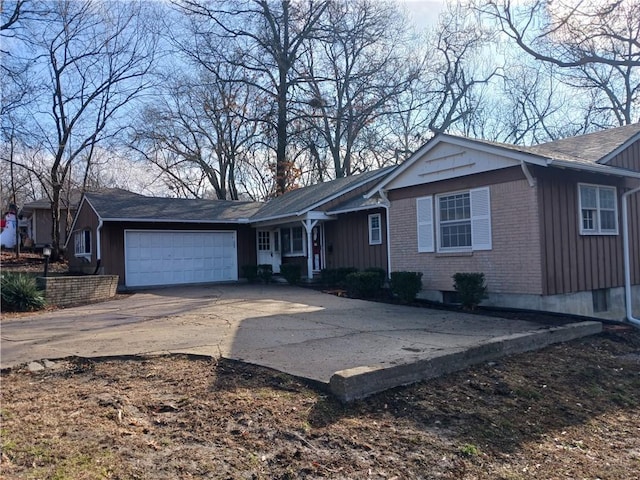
(424, 208)
(480, 219)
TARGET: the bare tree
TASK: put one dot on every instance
(207, 123)
(354, 74)
(271, 37)
(98, 60)
(596, 44)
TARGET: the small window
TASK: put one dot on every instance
(375, 229)
(264, 243)
(82, 241)
(598, 210)
(600, 298)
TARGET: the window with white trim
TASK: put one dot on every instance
(463, 221)
(598, 209)
(82, 243)
(454, 226)
(375, 229)
(292, 241)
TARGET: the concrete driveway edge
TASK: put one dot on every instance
(360, 382)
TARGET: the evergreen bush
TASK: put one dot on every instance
(265, 272)
(471, 289)
(406, 285)
(380, 272)
(336, 277)
(250, 272)
(363, 284)
(20, 293)
(291, 273)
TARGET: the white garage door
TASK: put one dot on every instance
(178, 257)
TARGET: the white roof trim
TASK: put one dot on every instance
(358, 209)
(596, 167)
(521, 156)
(75, 218)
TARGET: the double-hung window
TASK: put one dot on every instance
(462, 221)
(82, 243)
(455, 221)
(375, 229)
(598, 209)
(292, 241)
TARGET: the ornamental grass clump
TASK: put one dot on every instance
(20, 293)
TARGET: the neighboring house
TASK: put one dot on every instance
(544, 224)
(163, 241)
(35, 219)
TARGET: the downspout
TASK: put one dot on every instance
(387, 219)
(98, 246)
(527, 173)
(627, 262)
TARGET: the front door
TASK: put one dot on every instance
(269, 249)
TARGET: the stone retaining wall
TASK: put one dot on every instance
(68, 290)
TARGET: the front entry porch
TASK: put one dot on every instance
(300, 242)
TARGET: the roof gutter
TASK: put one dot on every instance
(597, 168)
(627, 263)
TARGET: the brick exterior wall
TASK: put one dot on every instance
(69, 290)
(514, 265)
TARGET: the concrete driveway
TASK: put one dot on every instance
(354, 347)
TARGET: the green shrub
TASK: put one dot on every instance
(336, 277)
(380, 272)
(20, 293)
(471, 289)
(406, 285)
(265, 272)
(363, 284)
(250, 272)
(291, 273)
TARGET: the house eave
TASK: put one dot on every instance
(516, 155)
(357, 209)
(595, 168)
(239, 221)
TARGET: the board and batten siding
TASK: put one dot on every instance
(629, 158)
(347, 241)
(575, 262)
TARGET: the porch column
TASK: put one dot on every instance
(308, 226)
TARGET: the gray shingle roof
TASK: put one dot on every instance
(303, 199)
(357, 203)
(131, 206)
(586, 149)
(591, 147)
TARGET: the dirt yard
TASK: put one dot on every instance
(570, 411)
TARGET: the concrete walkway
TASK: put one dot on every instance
(354, 347)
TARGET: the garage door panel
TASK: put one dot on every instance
(166, 258)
